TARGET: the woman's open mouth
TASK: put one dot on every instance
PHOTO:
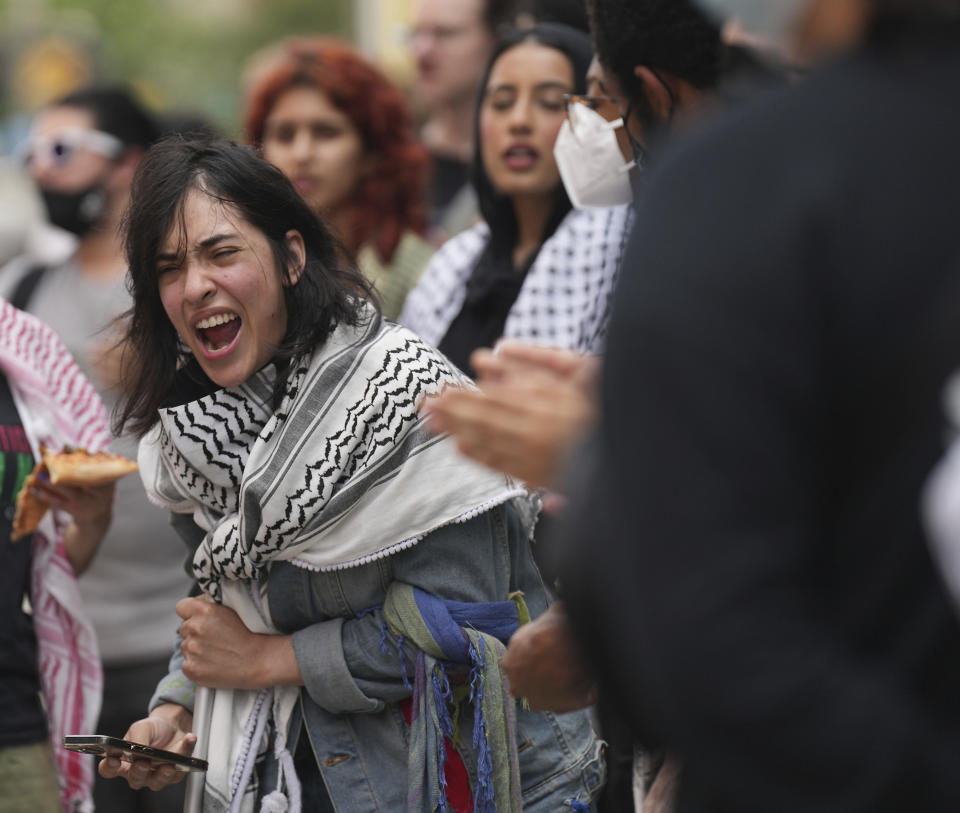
(218, 333)
(520, 158)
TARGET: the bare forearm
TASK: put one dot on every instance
(279, 662)
(90, 509)
(81, 541)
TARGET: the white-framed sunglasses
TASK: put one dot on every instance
(57, 150)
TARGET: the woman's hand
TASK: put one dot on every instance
(219, 651)
(91, 508)
(167, 727)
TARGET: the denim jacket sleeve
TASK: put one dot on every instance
(342, 660)
(176, 687)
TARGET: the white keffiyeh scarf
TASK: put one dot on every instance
(566, 296)
(342, 473)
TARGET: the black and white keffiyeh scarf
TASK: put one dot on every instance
(342, 473)
(566, 296)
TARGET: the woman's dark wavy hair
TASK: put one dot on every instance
(330, 291)
(495, 207)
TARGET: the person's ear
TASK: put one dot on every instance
(298, 255)
(658, 95)
(126, 166)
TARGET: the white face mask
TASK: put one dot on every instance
(770, 18)
(591, 165)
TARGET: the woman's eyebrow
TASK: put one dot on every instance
(552, 84)
(213, 240)
(548, 85)
(202, 245)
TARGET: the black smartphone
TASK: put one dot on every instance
(104, 746)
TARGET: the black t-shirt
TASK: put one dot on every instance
(448, 177)
(492, 289)
(22, 720)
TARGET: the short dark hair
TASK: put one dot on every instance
(494, 207)
(329, 291)
(499, 14)
(672, 35)
(908, 8)
(567, 12)
(116, 111)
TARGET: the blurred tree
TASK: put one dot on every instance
(182, 55)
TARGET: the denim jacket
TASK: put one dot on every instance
(350, 704)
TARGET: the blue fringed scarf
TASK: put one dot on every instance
(471, 634)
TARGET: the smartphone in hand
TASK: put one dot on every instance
(104, 746)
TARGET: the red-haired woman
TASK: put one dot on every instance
(341, 131)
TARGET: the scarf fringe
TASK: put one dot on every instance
(277, 801)
(252, 735)
(406, 544)
(484, 798)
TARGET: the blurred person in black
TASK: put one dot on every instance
(747, 571)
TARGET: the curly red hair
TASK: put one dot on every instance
(388, 201)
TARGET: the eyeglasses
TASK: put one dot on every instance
(439, 35)
(606, 106)
(593, 102)
(58, 150)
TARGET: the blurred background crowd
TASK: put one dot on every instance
(711, 241)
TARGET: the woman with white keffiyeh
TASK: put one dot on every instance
(360, 577)
(534, 268)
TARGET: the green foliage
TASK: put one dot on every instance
(183, 55)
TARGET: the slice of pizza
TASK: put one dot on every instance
(70, 467)
(78, 467)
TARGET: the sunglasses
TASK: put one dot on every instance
(58, 150)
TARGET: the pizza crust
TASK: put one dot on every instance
(30, 508)
(81, 468)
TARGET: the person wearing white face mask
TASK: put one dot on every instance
(673, 68)
(594, 169)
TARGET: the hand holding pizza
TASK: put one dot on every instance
(72, 480)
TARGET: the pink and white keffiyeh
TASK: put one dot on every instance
(58, 406)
